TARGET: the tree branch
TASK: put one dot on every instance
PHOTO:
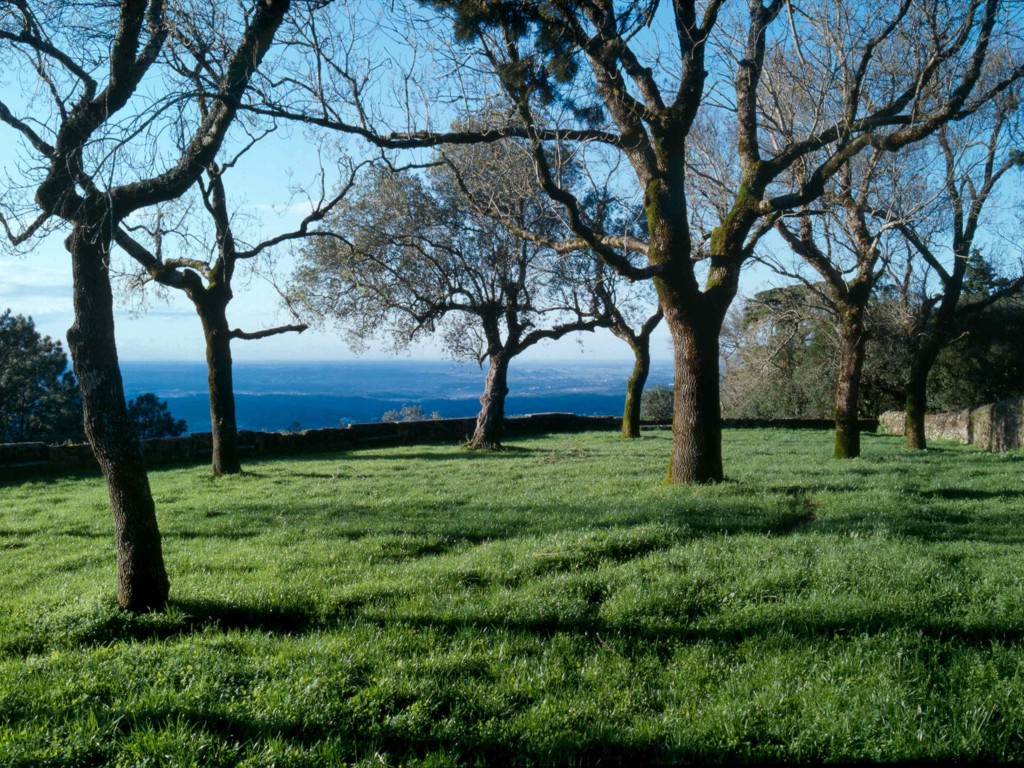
(239, 334)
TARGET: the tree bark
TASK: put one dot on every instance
(142, 583)
(852, 341)
(697, 416)
(635, 389)
(921, 364)
(224, 424)
(914, 407)
(491, 420)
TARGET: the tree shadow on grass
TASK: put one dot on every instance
(933, 520)
(44, 474)
(375, 724)
(451, 452)
(697, 623)
(362, 739)
(226, 535)
(389, 740)
(971, 494)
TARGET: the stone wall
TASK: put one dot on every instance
(18, 459)
(994, 427)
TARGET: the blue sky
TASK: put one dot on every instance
(39, 284)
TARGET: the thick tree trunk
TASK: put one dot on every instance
(491, 420)
(635, 389)
(851, 367)
(697, 414)
(224, 427)
(142, 583)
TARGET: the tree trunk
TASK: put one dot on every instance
(697, 409)
(635, 389)
(142, 583)
(916, 404)
(491, 420)
(224, 424)
(851, 366)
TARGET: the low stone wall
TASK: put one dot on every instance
(866, 425)
(17, 459)
(994, 427)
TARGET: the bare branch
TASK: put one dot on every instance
(239, 334)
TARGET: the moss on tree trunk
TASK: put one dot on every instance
(635, 390)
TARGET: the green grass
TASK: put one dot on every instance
(555, 603)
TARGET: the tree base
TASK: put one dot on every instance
(483, 445)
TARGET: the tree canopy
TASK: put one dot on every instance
(465, 250)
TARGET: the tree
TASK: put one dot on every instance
(152, 418)
(974, 155)
(792, 122)
(207, 282)
(89, 60)
(419, 258)
(623, 306)
(638, 336)
(656, 404)
(849, 249)
(985, 364)
(38, 395)
(409, 413)
(785, 357)
(626, 305)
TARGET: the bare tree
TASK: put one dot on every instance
(88, 60)
(849, 251)
(207, 281)
(975, 155)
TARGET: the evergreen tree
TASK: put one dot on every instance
(39, 398)
(152, 417)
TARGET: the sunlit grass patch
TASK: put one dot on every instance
(554, 603)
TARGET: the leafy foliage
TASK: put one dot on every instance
(39, 399)
(409, 413)
(785, 359)
(441, 253)
(784, 356)
(152, 417)
(987, 363)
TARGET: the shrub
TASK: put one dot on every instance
(409, 413)
(656, 404)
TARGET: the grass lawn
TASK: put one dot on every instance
(554, 603)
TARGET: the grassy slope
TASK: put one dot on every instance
(553, 603)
